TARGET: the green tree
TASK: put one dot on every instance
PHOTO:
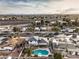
(30, 29)
(55, 29)
(76, 23)
(58, 56)
(27, 51)
(76, 30)
(47, 22)
(16, 29)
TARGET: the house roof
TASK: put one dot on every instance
(32, 39)
(42, 41)
(36, 39)
(1, 38)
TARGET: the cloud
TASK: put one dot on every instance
(38, 6)
(24, 3)
(27, 2)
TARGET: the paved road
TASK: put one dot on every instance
(13, 22)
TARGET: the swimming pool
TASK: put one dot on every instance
(40, 52)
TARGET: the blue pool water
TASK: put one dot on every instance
(40, 52)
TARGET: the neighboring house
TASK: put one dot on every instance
(53, 22)
(37, 41)
(33, 41)
(37, 21)
(72, 20)
(6, 48)
(73, 51)
(37, 29)
(43, 28)
(42, 42)
(2, 39)
(67, 30)
(62, 22)
(23, 29)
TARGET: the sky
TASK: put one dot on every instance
(39, 6)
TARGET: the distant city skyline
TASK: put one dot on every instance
(39, 6)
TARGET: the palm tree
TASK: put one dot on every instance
(58, 56)
(29, 51)
(42, 22)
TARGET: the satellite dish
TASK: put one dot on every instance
(9, 57)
